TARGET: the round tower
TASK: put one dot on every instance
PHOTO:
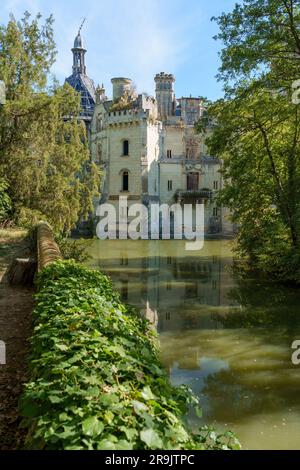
(120, 86)
(165, 94)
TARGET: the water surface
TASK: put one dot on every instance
(227, 337)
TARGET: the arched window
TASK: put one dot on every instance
(125, 181)
(125, 148)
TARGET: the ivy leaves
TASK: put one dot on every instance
(92, 427)
(96, 380)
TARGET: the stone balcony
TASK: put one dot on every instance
(193, 195)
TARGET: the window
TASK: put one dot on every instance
(170, 185)
(124, 290)
(216, 185)
(125, 181)
(215, 212)
(169, 153)
(99, 153)
(192, 181)
(191, 291)
(125, 148)
(168, 316)
(99, 123)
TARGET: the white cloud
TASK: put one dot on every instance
(134, 38)
(137, 38)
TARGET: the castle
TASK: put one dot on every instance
(147, 147)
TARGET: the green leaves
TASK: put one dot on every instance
(92, 426)
(96, 380)
(147, 393)
(151, 439)
(261, 40)
(5, 201)
(55, 399)
(255, 132)
(139, 407)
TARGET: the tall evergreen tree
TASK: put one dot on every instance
(44, 151)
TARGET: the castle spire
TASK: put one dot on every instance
(79, 53)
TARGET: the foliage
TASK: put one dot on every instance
(259, 37)
(96, 379)
(43, 148)
(124, 102)
(256, 131)
(258, 302)
(5, 201)
(73, 249)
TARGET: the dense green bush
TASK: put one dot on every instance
(96, 379)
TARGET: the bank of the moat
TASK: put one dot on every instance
(229, 339)
(16, 305)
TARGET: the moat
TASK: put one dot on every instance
(227, 337)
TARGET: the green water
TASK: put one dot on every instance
(228, 338)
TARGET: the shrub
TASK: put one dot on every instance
(96, 379)
(73, 249)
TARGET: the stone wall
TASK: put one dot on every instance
(47, 249)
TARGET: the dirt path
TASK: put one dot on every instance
(16, 305)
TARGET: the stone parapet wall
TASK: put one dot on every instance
(47, 249)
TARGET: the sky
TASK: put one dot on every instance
(136, 39)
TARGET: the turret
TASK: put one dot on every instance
(100, 94)
(78, 56)
(80, 81)
(165, 94)
(121, 85)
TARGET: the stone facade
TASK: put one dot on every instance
(148, 150)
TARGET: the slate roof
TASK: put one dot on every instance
(85, 86)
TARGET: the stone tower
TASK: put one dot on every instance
(121, 85)
(165, 95)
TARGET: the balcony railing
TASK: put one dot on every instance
(193, 194)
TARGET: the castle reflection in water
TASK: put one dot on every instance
(174, 288)
(236, 357)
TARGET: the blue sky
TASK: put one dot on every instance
(137, 39)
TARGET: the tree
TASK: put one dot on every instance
(5, 202)
(261, 41)
(256, 130)
(43, 147)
